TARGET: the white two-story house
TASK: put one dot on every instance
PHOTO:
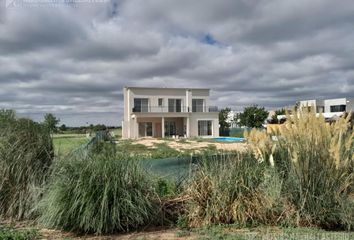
(329, 108)
(168, 112)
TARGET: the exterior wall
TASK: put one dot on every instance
(214, 117)
(316, 104)
(350, 105)
(331, 102)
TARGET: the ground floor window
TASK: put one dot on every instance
(170, 128)
(205, 127)
(145, 129)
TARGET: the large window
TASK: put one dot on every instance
(145, 129)
(141, 105)
(205, 128)
(338, 108)
(174, 105)
(170, 128)
(197, 105)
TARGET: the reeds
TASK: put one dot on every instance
(315, 160)
(26, 153)
(303, 177)
(100, 193)
(232, 189)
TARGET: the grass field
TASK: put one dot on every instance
(65, 143)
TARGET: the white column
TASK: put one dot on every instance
(162, 127)
(188, 128)
(135, 128)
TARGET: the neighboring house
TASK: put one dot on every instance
(168, 112)
(329, 107)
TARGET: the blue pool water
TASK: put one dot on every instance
(230, 139)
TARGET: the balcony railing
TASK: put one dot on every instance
(174, 109)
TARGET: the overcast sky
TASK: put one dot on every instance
(74, 59)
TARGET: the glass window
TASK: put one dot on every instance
(145, 129)
(160, 102)
(170, 128)
(197, 105)
(205, 128)
(141, 105)
(174, 105)
(338, 108)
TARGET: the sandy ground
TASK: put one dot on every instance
(166, 234)
(192, 144)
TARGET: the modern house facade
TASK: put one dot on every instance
(329, 106)
(168, 112)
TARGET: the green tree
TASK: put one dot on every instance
(224, 125)
(51, 122)
(63, 127)
(253, 116)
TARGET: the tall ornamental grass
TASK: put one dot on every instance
(102, 192)
(234, 189)
(26, 153)
(315, 160)
(303, 177)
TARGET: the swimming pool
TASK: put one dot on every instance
(230, 139)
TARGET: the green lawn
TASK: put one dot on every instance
(65, 143)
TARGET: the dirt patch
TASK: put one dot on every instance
(168, 234)
(182, 145)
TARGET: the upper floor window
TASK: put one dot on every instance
(174, 105)
(160, 102)
(141, 105)
(197, 105)
(338, 108)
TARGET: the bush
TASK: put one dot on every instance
(315, 160)
(26, 153)
(305, 178)
(17, 234)
(231, 190)
(100, 193)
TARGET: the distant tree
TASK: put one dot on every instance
(253, 116)
(99, 127)
(63, 128)
(51, 122)
(224, 125)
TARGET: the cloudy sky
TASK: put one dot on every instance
(74, 59)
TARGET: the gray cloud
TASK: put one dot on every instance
(74, 60)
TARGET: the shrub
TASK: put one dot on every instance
(315, 160)
(17, 234)
(100, 193)
(26, 153)
(231, 190)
